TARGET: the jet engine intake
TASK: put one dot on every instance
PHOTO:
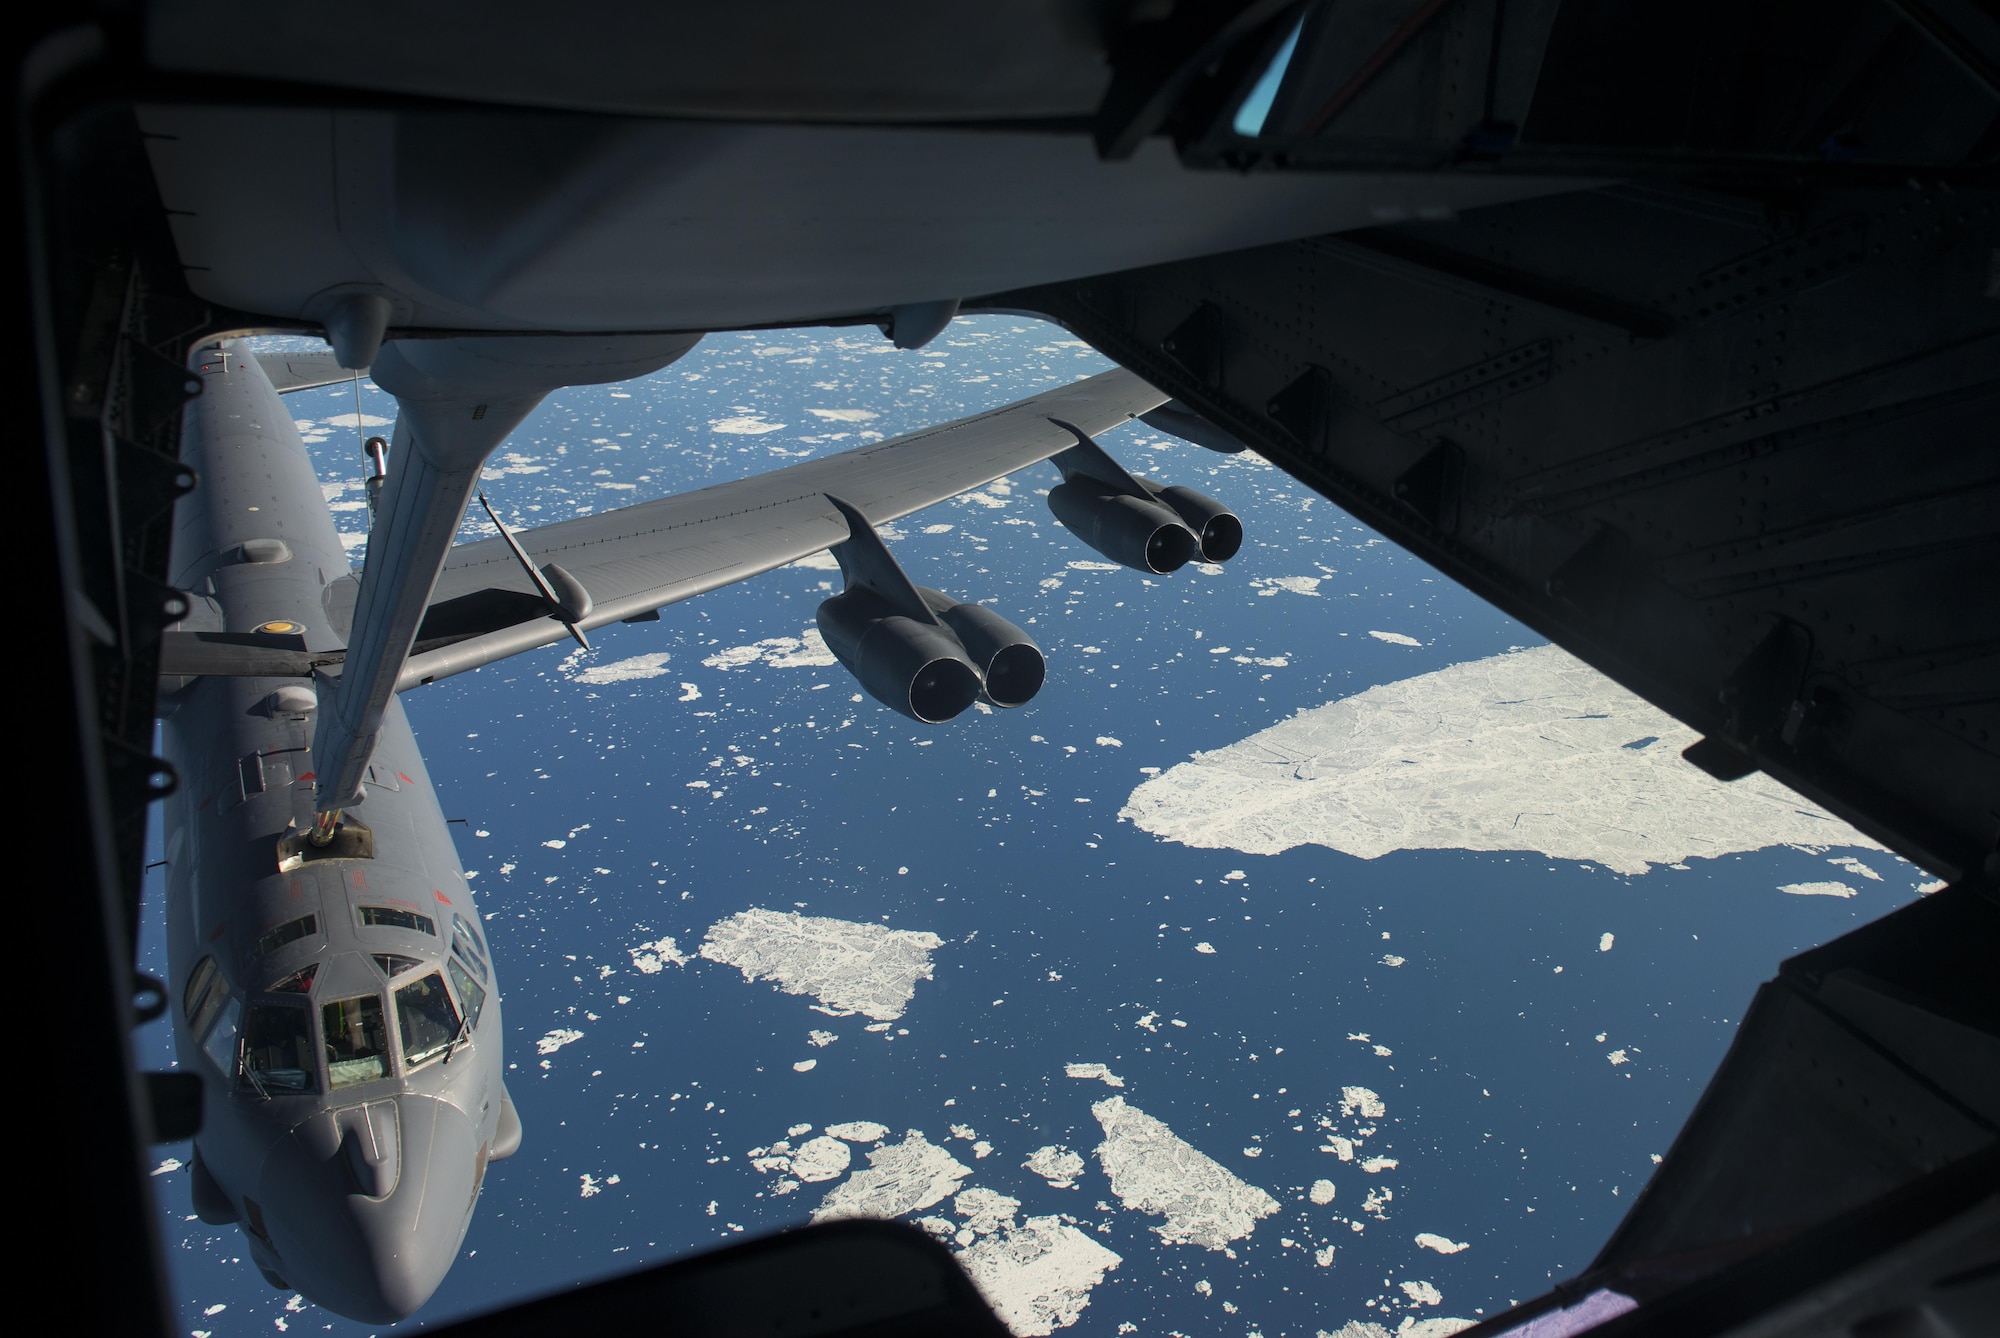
(916, 668)
(1135, 532)
(1010, 664)
(1217, 527)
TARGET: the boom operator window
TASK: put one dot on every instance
(429, 1022)
(357, 1040)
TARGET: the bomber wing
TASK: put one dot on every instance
(640, 558)
(303, 371)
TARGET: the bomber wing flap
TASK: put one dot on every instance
(639, 558)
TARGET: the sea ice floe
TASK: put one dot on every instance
(1828, 889)
(1297, 585)
(843, 415)
(1153, 1170)
(821, 1158)
(744, 425)
(1410, 1328)
(901, 1178)
(1098, 1071)
(1055, 1164)
(849, 966)
(649, 959)
(1522, 751)
(1422, 1293)
(1322, 1192)
(805, 651)
(1038, 1275)
(1855, 867)
(1605, 941)
(556, 1040)
(859, 1131)
(1396, 638)
(1360, 1101)
(1430, 1240)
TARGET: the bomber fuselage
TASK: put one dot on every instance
(338, 1001)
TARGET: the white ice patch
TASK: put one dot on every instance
(556, 1040)
(650, 665)
(1409, 1328)
(844, 415)
(1322, 1192)
(745, 425)
(1152, 1170)
(939, 529)
(1817, 889)
(1430, 1240)
(1855, 867)
(850, 967)
(1055, 1164)
(901, 1178)
(1098, 1071)
(1531, 750)
(1396, 638)
(1037, 1276)
(1604, 942)
(1297, 585)
(350, 420)
(1422, 1293)
(1086, 565)
(805, 651)
(820, 1159)
(859, 1131)
(168, 1167)
(1360, 1101)
(649, 959)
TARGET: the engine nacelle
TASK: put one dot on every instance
(916, 668)
(1133, 531)
(1008, 660)
(1215, 525)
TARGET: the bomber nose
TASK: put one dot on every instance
(346, 1244)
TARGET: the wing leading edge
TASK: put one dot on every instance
(641, 558)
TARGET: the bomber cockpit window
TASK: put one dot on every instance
(220, 1047)
(204, 996)
(465, 941)
(290, 932)
(394, 964)
(394, 917)
(430, 1024)
(277, 1050)
(470, 992)
(357, 1040)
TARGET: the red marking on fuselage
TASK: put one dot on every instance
(405, 779)
(305, 776)
(205, 802)
(218, 931)
(441, 896)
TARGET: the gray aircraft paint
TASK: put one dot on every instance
(313, 1164)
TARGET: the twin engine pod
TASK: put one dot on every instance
(1135, 521)
(914, 649)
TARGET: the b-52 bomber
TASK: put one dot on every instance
(334, 984)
